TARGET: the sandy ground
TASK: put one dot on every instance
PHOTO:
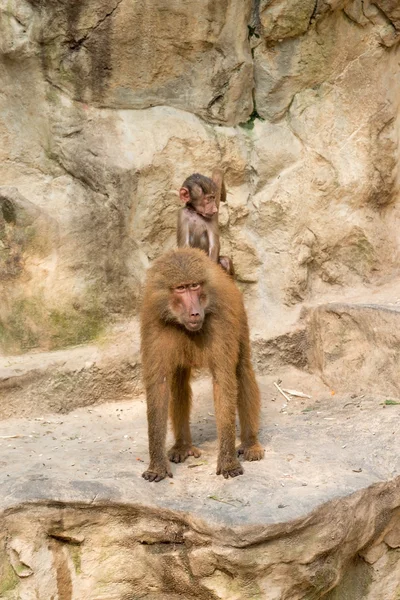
(316, 449)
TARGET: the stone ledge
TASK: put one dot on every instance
(353, 347)
(356, 346)
(60, 381)
(290, 527)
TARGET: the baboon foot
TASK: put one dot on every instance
(229, 468)
(179, 452)
(251, 451)
(157, 472)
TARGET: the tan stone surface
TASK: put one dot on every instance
(134, 55)
(313, 188)
(105, 108)
(76, 514)
(356, 345)
(60, 381)
(312, 202)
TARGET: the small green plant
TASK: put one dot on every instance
(249, 124)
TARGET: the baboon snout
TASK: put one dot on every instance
(196, 318)
(187, 304)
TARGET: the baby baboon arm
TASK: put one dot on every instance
(183, 230)
(213, 240)
(218, 178)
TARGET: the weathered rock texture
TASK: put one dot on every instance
(319, 517)
(62, 380)
(105, 108)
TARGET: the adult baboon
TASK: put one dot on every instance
(193, 316)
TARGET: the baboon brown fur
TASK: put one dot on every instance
(193, 316)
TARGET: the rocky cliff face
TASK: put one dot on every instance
(106, 107)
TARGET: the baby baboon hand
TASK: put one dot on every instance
(252, 451)
(180, 451)
(157, 472)
(229, 468)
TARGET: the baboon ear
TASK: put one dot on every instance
(184, 195)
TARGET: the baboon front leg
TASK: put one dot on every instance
(181, 397)
(225, 393)
(157, 419)
(249, 406)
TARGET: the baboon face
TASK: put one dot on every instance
(204, 204)
(187, 305)
(200, 192)
(193, 315)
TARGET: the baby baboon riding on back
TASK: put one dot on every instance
(198, 219)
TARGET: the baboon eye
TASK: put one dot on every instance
(194, 286)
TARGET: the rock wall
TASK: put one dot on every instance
(106, 107)
(117, 552)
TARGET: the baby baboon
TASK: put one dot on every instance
(198, 220)
(193, 316)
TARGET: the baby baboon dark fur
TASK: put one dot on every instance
(198, 220)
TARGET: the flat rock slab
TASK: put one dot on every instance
(328, 486)
(316, 450)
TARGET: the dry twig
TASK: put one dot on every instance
(281, 391)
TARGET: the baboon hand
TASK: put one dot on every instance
(251, 451)
(229, 468)
(157, 472)
(180, 451)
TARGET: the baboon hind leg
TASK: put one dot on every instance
(181, 399)
(157, 397)
(225, 393)
(249, 405)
